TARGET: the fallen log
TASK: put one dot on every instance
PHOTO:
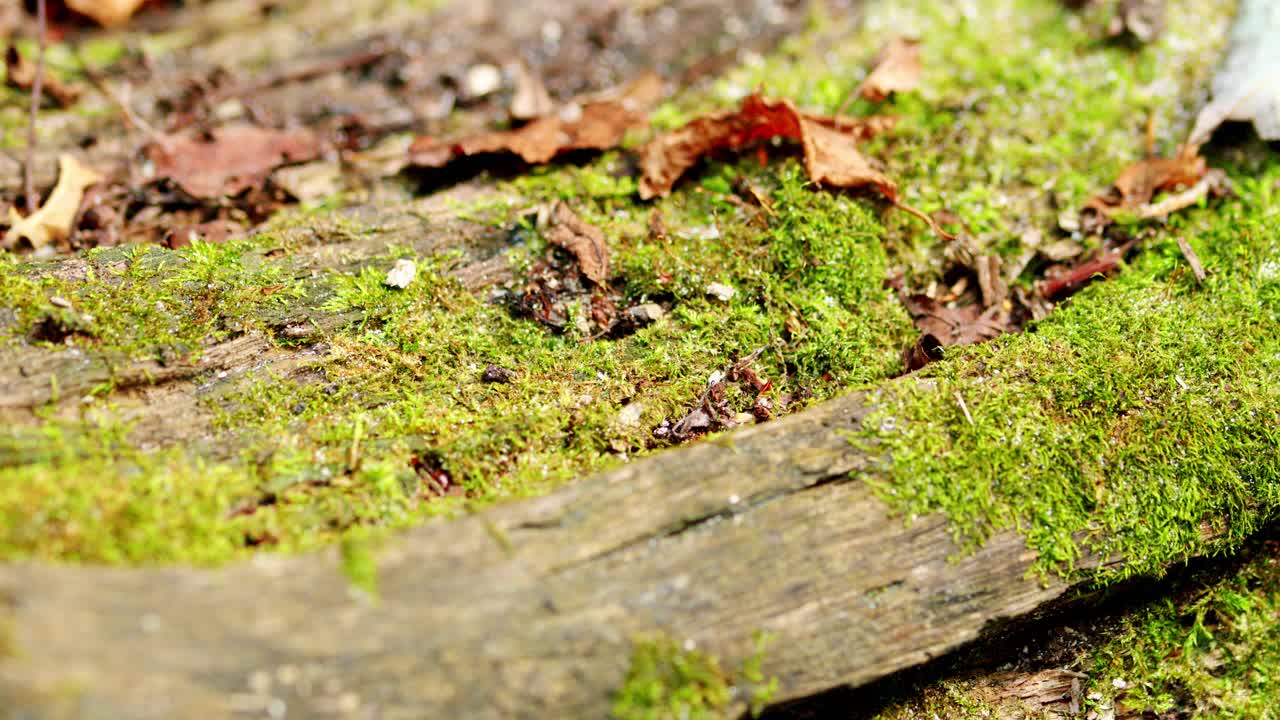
(531, 609)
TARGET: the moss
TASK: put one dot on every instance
(1003, 139)
(670, 682)
(1213, 652)
(359, 563)
(141, 301)
(98, 500)
(1135, 423)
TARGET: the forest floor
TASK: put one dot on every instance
(216, 364)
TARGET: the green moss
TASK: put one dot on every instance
(1136, 422)
(359, 563)
(670, 682)
(140, 301)
(1077, 425)
(1213, 652)
(402, 380)
(98, 500)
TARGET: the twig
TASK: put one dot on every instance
(1186, 198)
(964, 407)
(131, 118)
(1080, 276)
(37, 85)
(304, 72)
(1193, 260)
(933, 224)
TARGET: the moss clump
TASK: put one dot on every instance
(670, 682)
(139, 302)
(1213, 652)
(1136, 423)
(97, 499)
(401, 379)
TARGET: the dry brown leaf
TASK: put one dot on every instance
(584, 241)
(20, 73)
(830, 145)
(596, 125)
(897, 70)
(942, 326)
(53, 221)
(1139, 182)
(231, 160)
(107, 13)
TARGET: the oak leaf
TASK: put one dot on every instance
(54, 219)
(830, 145)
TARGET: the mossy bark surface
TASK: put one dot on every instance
(209, 405)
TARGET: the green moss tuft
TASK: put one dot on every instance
(670, 682)
(1138, 422)
(1212, 653)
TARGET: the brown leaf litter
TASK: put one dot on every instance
(714, 411)
(1132, 193)
(589, 124)
(897, 69)
(108, 13)
(584, 241)
(942, 325)
(230, 159)
(830, 145)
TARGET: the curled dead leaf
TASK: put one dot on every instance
(897, 70)
(584, 241)
(598, 124)
(53, 220)
(232, 159)
(830, 145)
(1138, 184)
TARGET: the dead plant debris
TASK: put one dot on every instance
(595, 124)
(54, 220)
(714, 409)
(830, 145)
(108, 13)
(1138, 184)
(897, 69)
(20, 74)
(230, 159)
(584, 241)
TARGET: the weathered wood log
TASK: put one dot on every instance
(530, 609)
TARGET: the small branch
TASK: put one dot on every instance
(1192, 195)
(1080, 276)
(37, 86)
(1193, 260)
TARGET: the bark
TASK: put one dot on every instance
(530, 610)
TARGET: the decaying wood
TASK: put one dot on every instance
(530, 610)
